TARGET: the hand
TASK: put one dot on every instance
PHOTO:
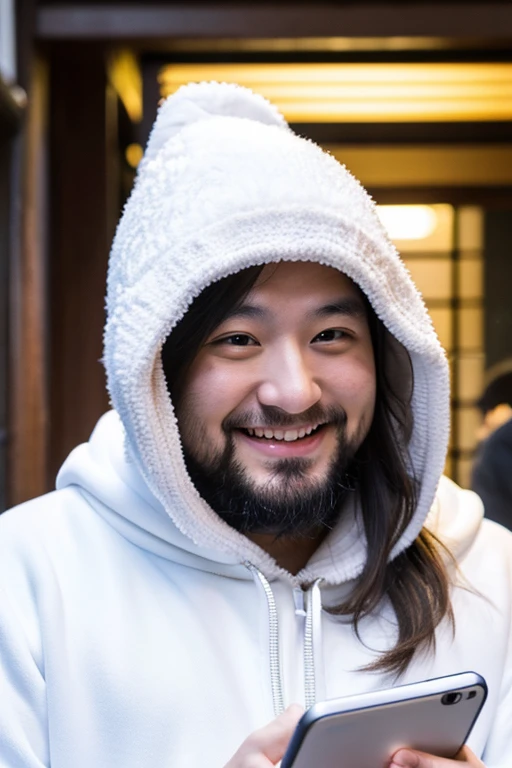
(408, 758)
(266, 747)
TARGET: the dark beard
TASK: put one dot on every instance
(298, 506)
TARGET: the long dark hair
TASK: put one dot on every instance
(416, 581)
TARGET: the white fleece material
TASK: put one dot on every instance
(213, 197)
(133, 627)
(122, 642)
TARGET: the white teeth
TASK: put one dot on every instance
(288, 435)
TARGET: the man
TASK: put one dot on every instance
(492, 470)
(260, 523)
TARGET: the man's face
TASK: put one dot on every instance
(280, 396)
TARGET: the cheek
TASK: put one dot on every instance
(355, 391)
(359, 405)
(210, 392)
(356, 380)
(359, 400)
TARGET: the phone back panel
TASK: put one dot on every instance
(367, 738)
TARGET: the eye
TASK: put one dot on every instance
(237, 340)
(331, 334)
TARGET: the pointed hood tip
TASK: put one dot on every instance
(197, 102)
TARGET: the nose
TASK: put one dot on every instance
(288, 381)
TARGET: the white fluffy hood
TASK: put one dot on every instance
(226, 185)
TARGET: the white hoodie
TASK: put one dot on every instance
(137, 628)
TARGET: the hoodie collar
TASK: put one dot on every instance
(105, 474)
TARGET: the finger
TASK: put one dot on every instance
(408, 758)
(272, 739)
(267, 746)
(466, 755)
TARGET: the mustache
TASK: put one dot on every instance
(273, 417)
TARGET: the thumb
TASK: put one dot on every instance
(272, 740)
(268, 745)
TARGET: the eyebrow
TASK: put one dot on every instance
(348, 306)
(249, 311)
(351, 306)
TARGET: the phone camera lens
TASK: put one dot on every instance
(451, 698)
(471, 695)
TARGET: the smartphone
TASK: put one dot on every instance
(364, 731)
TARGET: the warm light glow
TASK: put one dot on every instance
(407, 222)
(124, 74)
(309, 44)
(133, 154)
(365, 92)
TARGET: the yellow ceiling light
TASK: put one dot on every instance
(365, 92)
(318, 44)
(133, 154)
(125, 76)
(408, 222)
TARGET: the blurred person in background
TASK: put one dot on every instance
(492, 470)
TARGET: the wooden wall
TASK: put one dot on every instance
(27, 376)
(79, 246)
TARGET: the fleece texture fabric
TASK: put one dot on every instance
(122, 642)
(134, 629)
(226, 185)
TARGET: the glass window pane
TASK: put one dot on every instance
(470, 380)
(470, 227)
(471, 279)
(438, 240)
(471, 328)
(468, 421)
(433, 277)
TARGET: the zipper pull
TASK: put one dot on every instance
(298, 599)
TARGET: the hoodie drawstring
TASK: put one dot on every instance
(312, 640)
(273, 634)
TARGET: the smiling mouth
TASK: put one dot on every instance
(286, 435)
